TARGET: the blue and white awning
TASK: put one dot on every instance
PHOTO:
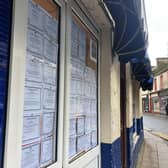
(130, 36)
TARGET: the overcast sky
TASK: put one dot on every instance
(157, 19)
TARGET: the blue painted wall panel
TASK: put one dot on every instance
(139, 125)
(129, 146)
(111, 154)
(133, 149)
(5, 35)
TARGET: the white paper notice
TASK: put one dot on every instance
(33, 69)
(74, 49)
(35, 15)
(94, 123)
(49, 98)
(82, 51)
(49, 74)
(51, 26)
(94, 107)
(35, 41)
(75, 31)
(50, 50)
(72, 127)
(80, 126)
(31, 127)
(87, 141)
(48, 123)
(32, 99)
(32, 112)
(30, 156)
(85, 106)
(81, 143)
(72, 146)
(47, 151)
(73, 105)
(88, 125)
(94, 138)
(87, 89)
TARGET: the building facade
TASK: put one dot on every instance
(157, 99)
(69, 97)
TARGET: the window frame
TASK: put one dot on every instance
(74, 7)
(15, 109)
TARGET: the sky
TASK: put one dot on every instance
(157, 20)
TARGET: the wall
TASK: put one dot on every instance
(134, 118)
(110, 105)
(165, 80)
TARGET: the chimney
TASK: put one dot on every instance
(163, 60)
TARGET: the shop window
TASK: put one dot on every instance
(39, 140)
(83, 125)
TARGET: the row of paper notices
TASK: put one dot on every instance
(77, 68)
(51, 26)
(50, 50)
(31, 128)
(35, 41)
(82, 143)
(80, 71)
(40, 19)
(40, 90)
(36, 14)
(82, 125)
(40, 154)
(49, 98)
(74, 32)
(32, 98)
(74, 49)
(48, 123)
(35, 126)
(50, 75)
(90, 75)
(80, 87)
(72, 146)
(78, 42)
(30, 156)
(42, 45)
(33, 69)
(85, 106)
(82, 45)
(76, 87)
(38, 70)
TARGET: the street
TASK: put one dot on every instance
(157, 123)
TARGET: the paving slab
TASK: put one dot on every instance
(154, 152)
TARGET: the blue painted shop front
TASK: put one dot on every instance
(111, 153)
(5, 28)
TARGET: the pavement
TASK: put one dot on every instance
(157, 123)
(154, 151)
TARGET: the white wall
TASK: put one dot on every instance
(110, 91)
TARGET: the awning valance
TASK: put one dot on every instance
(142, 72)
(130, 39)
(147, 84)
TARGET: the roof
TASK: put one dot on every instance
(160, 69)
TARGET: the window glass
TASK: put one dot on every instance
(83, 125)
(39, 138)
